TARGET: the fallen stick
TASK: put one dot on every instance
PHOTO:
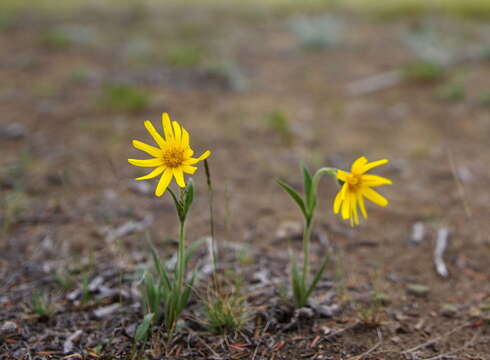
(436, 339)
(447, 354)
(374, 83)
(377, 345)
(441, 245)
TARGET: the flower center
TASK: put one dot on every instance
(353, 180)
(173, 157)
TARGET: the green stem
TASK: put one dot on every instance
(318, 174)
(306, 251)
(181, 258)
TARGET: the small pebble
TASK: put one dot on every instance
(106, 310)
(449, 310)
(8, 328)
(12, 131)
(418, 290)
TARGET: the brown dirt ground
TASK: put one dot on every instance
(71, 178)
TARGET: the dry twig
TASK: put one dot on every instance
(436, 339)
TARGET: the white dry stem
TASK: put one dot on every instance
(418, 233)
(441, 245)
(125, 229)
(73, 338)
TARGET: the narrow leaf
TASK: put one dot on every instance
(143, 329)
(298, 289)
(318, 276)
(178, 205)
(189, 196)
(294, 195)
(161, 272)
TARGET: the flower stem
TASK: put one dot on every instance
(181, 257)
(306, 253)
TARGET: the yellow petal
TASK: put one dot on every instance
(372, 165)
(192, 161)
(358, 164)
(177, 132)
(167, 127)
(151, 150)
(179, 177)
(154, 134)
(342, 175)
(188, 152)
(339, 198)
(353, 207)
(360, 200)
(185, 138)
(189, 169)
(146, 162)
(375, 197)
(374, 180)
(346, 206)
(153, 174)
(163, 182)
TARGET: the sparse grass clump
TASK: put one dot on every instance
(184, 55)
(65, 36)
(317, 33)
(41, 305)
(79, 76)
(225, 310)
(371, 313)
(6, 21)
(124, 98)
(423, 72)
(484, 98)
(14, 204)
(230, 73)
(64, 280)
(391, 9)
(279, 122)
(451, 93)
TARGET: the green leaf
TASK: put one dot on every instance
(298, 289)
(318, 276)
(295, 196)
(178, 205)
(186, 293)
(189, 196)
(143, 329)
(161, 272)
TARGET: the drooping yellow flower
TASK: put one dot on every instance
(358, 185)
(172, 158)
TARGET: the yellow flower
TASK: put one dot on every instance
(358, 185)
(172, 158)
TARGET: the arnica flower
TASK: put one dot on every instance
(171, 159)
(358, 185)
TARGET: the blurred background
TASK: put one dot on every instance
(264, 85)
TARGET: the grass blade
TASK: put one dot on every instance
(143, 329)
(318, 276)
